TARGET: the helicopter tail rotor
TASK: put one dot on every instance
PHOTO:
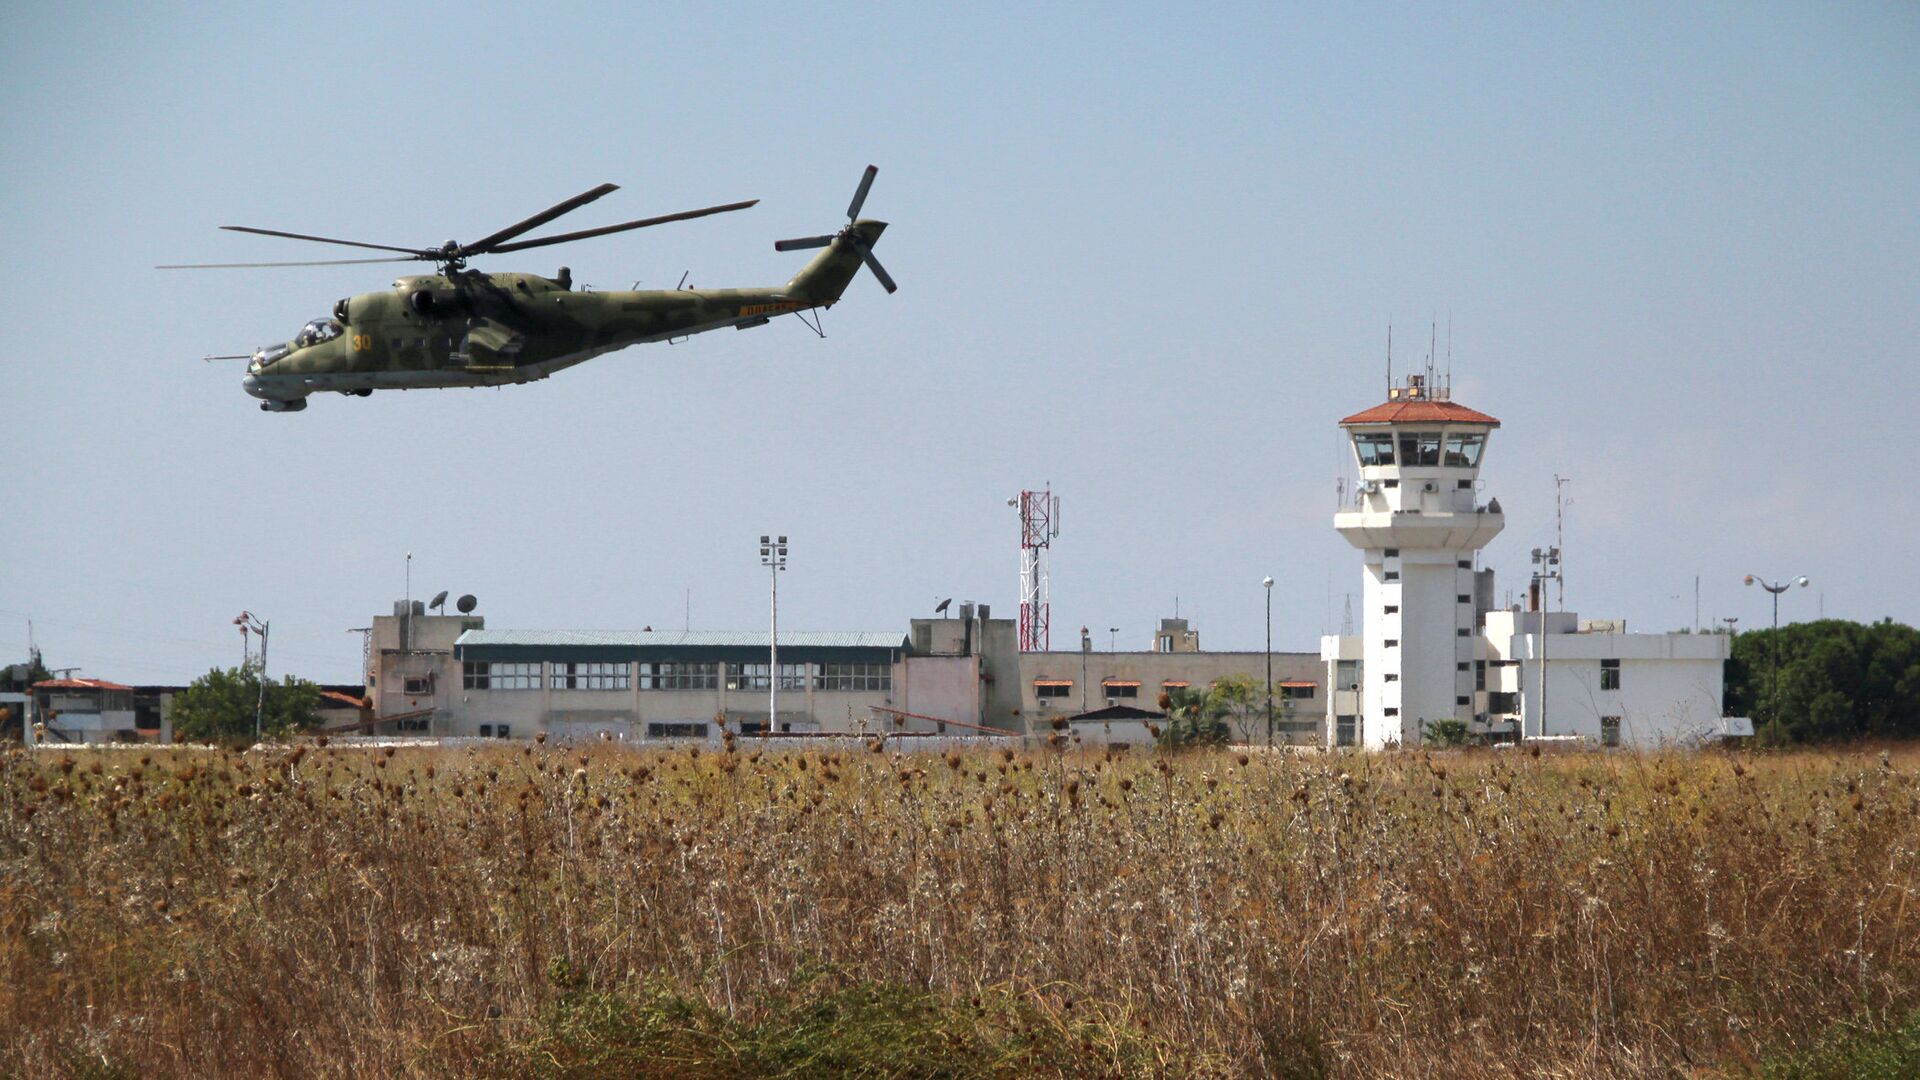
(858, 237)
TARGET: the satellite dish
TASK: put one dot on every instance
(439, 600)
(466, 604)
(943, 606)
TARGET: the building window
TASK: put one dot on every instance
(1461, 666)
(1465, 598)
(1419, 448)
(1390, 711)
(487, 676)
(1390, 677)
(1463, 485)
(486, 731)
(1392, 575)
(754, 676)
(1462, 701)
(1479, 674)
(680, 675)
(1391, 609)
(1391, 643)
(1298, 691)
(1390, 483)
(1609, 731)
(418, 684)
(1374, 447)
(1464, 632)
(1463, 450)
(1391, 553)
(854, 677)
(1503, 701)
(1465, 564)
(1609, 674)
(1345, 729)
(1121, 689)
(695, 729)
(1346, 675)
(502, 731)
(588, 676)
(1052, 688)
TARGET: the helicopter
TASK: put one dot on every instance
(461, 327)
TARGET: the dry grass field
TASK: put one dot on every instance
(538, 911)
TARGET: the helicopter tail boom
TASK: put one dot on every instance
(827, 276)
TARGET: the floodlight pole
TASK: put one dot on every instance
(1773, 648)
(247, 621)
(773, 556)
(1267, 583)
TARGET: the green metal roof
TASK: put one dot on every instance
(796, 646)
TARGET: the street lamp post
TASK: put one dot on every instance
(1267, 584)
(247, 621)
(1113, 638)
(773, 556)
(1773, 648)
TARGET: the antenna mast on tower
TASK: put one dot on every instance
(1039, 525)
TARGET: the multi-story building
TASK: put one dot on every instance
(1433, 650)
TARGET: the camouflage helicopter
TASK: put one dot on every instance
(462, 327)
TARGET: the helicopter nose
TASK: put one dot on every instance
(251, 384)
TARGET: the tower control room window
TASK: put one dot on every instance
(1374, 447)
(1419, 448)
(1463, 449)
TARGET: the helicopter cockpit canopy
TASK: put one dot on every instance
(317, 331)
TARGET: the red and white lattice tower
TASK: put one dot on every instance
(1039, 524)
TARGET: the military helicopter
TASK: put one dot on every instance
(462, 327)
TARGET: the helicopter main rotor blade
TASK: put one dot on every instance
(261, 265)
(415, 252)
(603, 230)
(485, 244)
(802, 243)
(860, 195)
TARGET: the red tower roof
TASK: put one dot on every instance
(1420, 411)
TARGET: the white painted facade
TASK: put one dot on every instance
(1641, 690)
(1431, 650)
(1418, 522)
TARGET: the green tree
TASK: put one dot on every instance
(1194, 718)
(1244, 699)
(1827, 680)
(220, 705)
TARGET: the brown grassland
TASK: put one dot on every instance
(545, 911)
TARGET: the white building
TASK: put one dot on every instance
(1419, 524)
(1431, 648)
(1601, 683)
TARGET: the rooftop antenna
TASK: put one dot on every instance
(1039, 525)
(1389, 356)
(1560, 533)
(1449, 354)
(1346, 620)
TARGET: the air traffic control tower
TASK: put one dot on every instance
(1416, 517)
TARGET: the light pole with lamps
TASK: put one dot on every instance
(247, 621)
(1773, 648)
(1267, 584)
(773, 556)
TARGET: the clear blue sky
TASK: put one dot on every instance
(1146, 254)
